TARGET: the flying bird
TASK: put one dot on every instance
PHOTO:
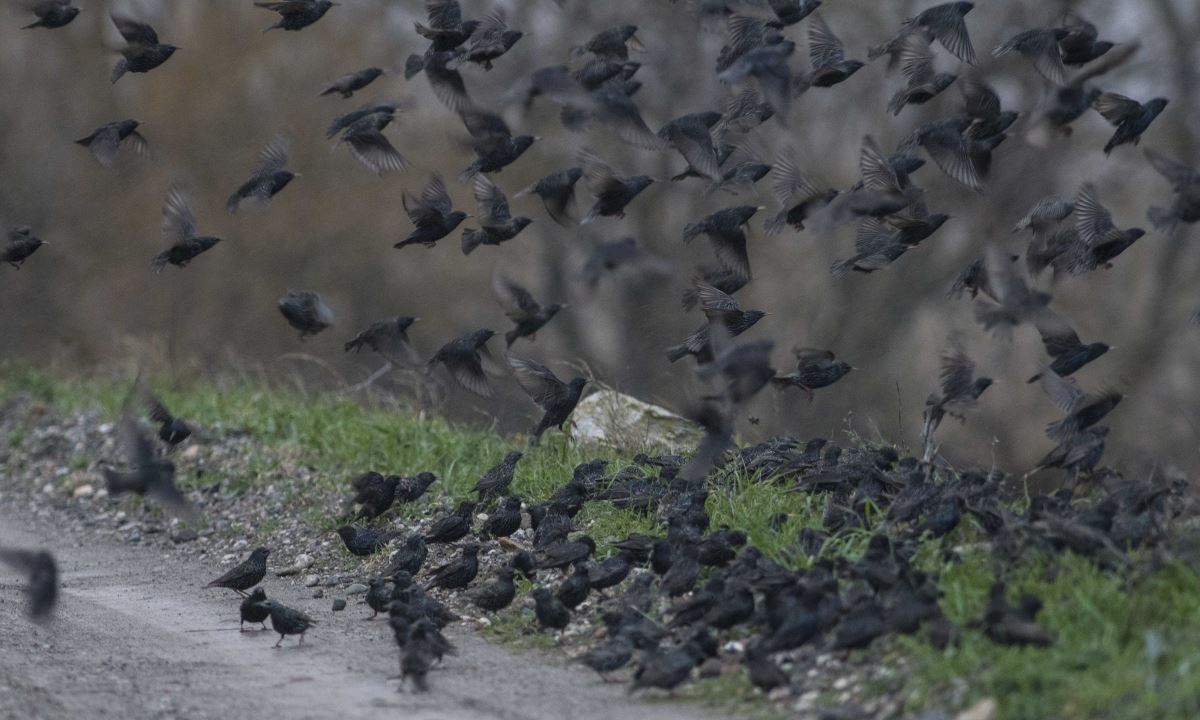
(520, 307)
(267, 179)
(142, 51)
(305, 311)
(463, 358)
(22, 244)
(556, 398)
(388, 338)
(51, 14)
(106, 141)
(179, 232)
(351, 83)
(433, 215)
(297, 14)
(496, 223)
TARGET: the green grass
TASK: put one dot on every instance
(1127, 643)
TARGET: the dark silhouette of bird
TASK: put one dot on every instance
(1045, 215)
(245, 574)
(724, 280)
(492, 38)
(287, 621)
(720, 308)
(419, 652)
(575, 588)
(504, 520)
(378, 596)
(142, 51)
(609, 656)
(457, 573)
(1078, 454)
(42, 571)
(351, 83)
(1007, 625)
(496, 223)
(861, 625)
(797, 194)
(982, 104)
(446, 82)
(463, 358)
(1012, 299)
(556, 398)
(409, 558)
(1040, 47)
(945, 23)
(762, 671)
(305, 311)
(613, 43)
(522, 309)
(691, 136)
(725, 229)
(876, 246)
(1130, 117)
(1099, 239)
(22, 244)
(1062, 344)
(297, 14)
(815, 369)
(681, 577)
(960, 391)
(1072, 99)
(1083, 409)
(496, 481)
(955, 151)
(1185, 187)
(943, 517)
(611, 191)
(375, 493)
(388, 338)
(740, 175)
(179, 233)
(446, 29)
(371, 147)
(433, 215)
(106, 140)
(610, 571)
(454, 526)
(51, 14)
(364, 541)
(622, 255)
(252, 610)
(497, 594)
(342, 122)
(923, 83)
(410, 489)
(267, 179)
(768, 67)
(736, 374)
(549, 610)
(172, 430)
(494, 144)
(745, 111)
(827, 56)
(564, 552)
(667, 669)
(1080, 44)
(557, 191)
(148, 474)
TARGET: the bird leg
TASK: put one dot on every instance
(807, 391)
(301, 638)
(278, 643)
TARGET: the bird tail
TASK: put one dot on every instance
(841, 267)
(413, 64)
(471, 239)
(354, 345)
(897, 103)
(1035, 378)
(467, 175)
(691, 230)
(86, 142)
(159, 262)
(677, 352)
(120, 69)
(329, 91)
(1161, 218)
(592, 216)
(34, 25)
(116, 482)
(1110, 146)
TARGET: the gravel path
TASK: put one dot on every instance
(136, 636)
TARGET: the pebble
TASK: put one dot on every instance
(339, 604)
(318, 594)
(48, 488)
(84, 491)
(191, 453)
(302, 563)
(183, 535)
(311, 580)
(356, 589)
(985, 709)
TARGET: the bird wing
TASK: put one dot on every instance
(714, 301)
(492, 203)
(447, 83)
(105, 144)
(745, 34)
(694, 141)
(485, 127)
(134, 32)
(807, 357)
(436, 197)
(599, 174)
(155, 408)
(616, 110)
(979, 99)
(916, 60)
(371, 148)
(1057, 335)
(1063, 392)
(536, 379)
(443, 14)
(948, 26)
(958, 370)
(518, 303)
(1092, 220)
(1116, 108)
(824, 48)
(1177, 173)
(877, 172)
(273, 157)
(178, 222)
(791, 186)
(949, 151)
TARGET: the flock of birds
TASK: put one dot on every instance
(1075, 235)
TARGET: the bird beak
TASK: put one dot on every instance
(761, 207)
(416, 320)
(537, 137)
(297, 175)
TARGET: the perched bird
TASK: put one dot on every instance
(371, 147)
(495, 481)
(499, 593)
(1040, 47)
(287, 621)
(574, 590)
(611, 191)
(458, 573)
(1007, 625)
(365, 541)
(609, 656)
(51, 14)
(297, 14)
(667, 669)
(1083, 409)
(172, 430)
(1185, 186)
(22, 244)
(305, 311)
(179, 232)
(42, 570)
(496, 223)
(1063, 344)
(388, 338)
(148, 474)
(433, 215)
(451, 527)
(522, 309)
(494, 144)
(351, 83)
(245, 574)
(556, 398)
(252, 610)
(565, 552)
(719, 308)
(142, 51)
(378, 596)
(797, 194)
(827, 55)
(815, 369)
(409, 558)
(492, 38)
(410, 489)
(549, 610)
(945, 23)
(1130, 117)
(725, 230)
(463, 358)
(106, 140)
(557, 191)
(504, 520)
(375, 493)
(923, 83)
(267, 179)
(764, 674)
(960, 391)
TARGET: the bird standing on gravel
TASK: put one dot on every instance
(375, 493)
(457, 573)
(454, 526)
(365, 541)
(39, 565)
(499, 593)
(252, 610)
(495, 481)
(287, 621)
(246, 574)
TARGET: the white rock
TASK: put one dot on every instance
(48, 488)
(192, 452)
(311, 580)
(985, 709)
(84, 491)
(610, 418)
(841, 683)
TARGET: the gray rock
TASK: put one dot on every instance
(620, 421)
(339, 604)
(356, 589)
(184, 535)
(318, 594)
(311, 580)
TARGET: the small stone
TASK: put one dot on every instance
(48, 489)
(101, 493)
(84, 491)
(183, 535)
(302, 563)
(311, 580)
(985, 709)
(339, 604)
(191, 453)
(318, 594)
(356, 589)
(841, 683)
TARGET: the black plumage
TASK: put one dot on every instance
(520, 307)
(287, 621)
(556, 398)
(564, 552)
(575, 588)
(172, 430)
(142, 51)
(245, 574)
(923, 83)
(681, 577)
(378, 597)
(815, 369)
(371, 147)
(496, 223)
(22, 244)
(388, 338)
(1083, 409)
(375, 493)
(351, 83)
(341, 122)
(610, 571)
(691, 135)
(549, 610)
(1080, 43)
(496, 480)
(267, 179)
(453, 526)
(433, 215)
(609, 656)
(179, 233)
(1098, 239)
(557, 191)
(410, 558)
(768, 66)
(827, 55)
(725, 229)
(42, 570)
(1130, 117)
(305, 311)
(945, 23)
(1062, 343)
(51, 14)
(297, 14)
(499, 593)
(364, 541)
(1040, 47)
(722, 310)
(667, 669)
(148, 474)
(613, 43)
(1185, 187)
(1007, 625)
(252, 611)
(492, 38)
(611, 191)
(463, 359)
(106, 140)
(504, 520)
(410, 489)
(457, 573)
(494, 144)
(960, 391)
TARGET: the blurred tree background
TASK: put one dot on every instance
(89, 297)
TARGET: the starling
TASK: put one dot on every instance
(287, 621)
(51, 14)
(1040, 47)
(611, 191)
(876, 246)
(943, 517)
(768, 66)
(724, 280)
(491, 39)
(305, 311)
(815, 369)
(564, 553)
(172, 430)
(681, 577)
(22, 243)
(725, 230)
(982, 104)
(433, 215)
(267, 179)
(455, 526)
(613, 43)
(43, 578)
(742, 175)
(739, 372)
(364, 541)
(1007, 625)
(1063, 344)
(378, 597)
(960, 391)
(609, 256)
(351, 83)
(719, 548)
(860, 626)
(522, 561)
(721, 308)
(1072, 99)
(458, 573)
(463, 358)
(497, 225)
(375, 493)
(418, 654)
(610, 571)
(945, 23)
(522, 309)
(1080, 44)
(762, 671)
(179, 232)
(297, 14)
(495, 481)
(574, 590)
(1016, 301)
(148, 473)
(961, 157)
(410, 489)
(557, 191)
(609, 656)
(1083, 410)
(441, 70)
(691, 136)
(1185, 186)
(1100, 241)
(499, 593)
(885, 187)
(667, 669)
(389, 338)
(142, 51)
(745, 111)
(246, 574)
(1077, 454)
(827, 55)
(790, 12)
(105, 141)
(494, 145)
(922, 82)
(446, 30)
(409, 558)
(549, 610)
(798, 196)
(1130, 117)
(252, 610)
(1045, 215)
(504, 520)
(341, 122)
(556, 398)
(370, 147)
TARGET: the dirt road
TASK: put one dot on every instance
(136, 636)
